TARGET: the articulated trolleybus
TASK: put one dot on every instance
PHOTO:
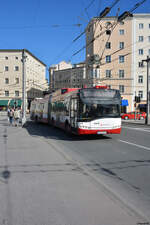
(86, 111)
(80, 111)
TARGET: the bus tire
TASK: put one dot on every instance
(126, 118)
(142, 118)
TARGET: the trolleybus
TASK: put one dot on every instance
(80, 111)
(86, 111)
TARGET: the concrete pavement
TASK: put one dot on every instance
(44, 187)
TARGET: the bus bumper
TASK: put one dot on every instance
(112, 131)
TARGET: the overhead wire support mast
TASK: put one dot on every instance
(23, 88)
(147, 94)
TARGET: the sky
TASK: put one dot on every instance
(47, 28)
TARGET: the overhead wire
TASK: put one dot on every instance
(136, 6)
(81, 34)
(39, 26)
(72, 42)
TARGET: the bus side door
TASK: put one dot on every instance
(73, 112)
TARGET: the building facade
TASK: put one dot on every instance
(66, 75)
(11, 73)
(140, 36)
(115, 51)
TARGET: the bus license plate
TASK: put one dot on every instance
(101, 132)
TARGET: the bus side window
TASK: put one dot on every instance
(75, 105)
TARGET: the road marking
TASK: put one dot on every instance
(138, 129)
(139, 146)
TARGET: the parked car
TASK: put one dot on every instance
(131, 115)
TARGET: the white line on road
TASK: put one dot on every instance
(139, 129)
(139, 146)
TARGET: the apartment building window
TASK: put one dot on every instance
(6, 81)
(141, 25)
(108, 58)
(6, 68)
(94, 73)
(108, 73)
(141, 38)
(141, 64)
(148, 51)
(149, 25)
(16, 93)
(121, 88)
(141, 51)
(16, 68)
(149, 38)
(121, 58)
(7, 93)
(17, 80)
(108, 32)
(16, 57)
(140, 94)
(140, 79)
(121, 45)
(108, 45)
(121, 73)
(6, 57)
(121, 32)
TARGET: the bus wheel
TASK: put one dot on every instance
(126, 118)
(142, 118)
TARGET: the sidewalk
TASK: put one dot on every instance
(46, 188)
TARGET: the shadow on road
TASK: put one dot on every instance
(47, 131)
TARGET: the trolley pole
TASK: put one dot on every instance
(147, 99)
(23, 89)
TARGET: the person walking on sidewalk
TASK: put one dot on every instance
(8, 111)
(11, 115)
(16, 116)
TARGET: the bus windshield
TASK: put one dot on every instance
(88, 112)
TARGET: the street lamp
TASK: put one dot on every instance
(23, 88)
(147, 98)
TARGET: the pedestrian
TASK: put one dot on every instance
(8, 111)
(16, 117)
(11, 115)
